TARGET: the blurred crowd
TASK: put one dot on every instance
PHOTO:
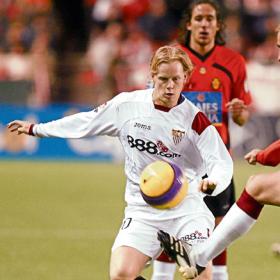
(121, 36)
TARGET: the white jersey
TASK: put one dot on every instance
(181, 135)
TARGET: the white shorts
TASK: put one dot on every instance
(142, 234)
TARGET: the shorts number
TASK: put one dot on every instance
(126, 223)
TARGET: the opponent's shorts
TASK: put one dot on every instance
(142, 234)
(220, 204)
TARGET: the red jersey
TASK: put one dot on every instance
(218, 77)
(271, 155)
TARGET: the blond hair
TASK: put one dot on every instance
(167, 54)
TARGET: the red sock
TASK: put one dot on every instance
(164, 258)
(249, 205)
(221, 259)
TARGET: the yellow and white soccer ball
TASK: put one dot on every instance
(163, 185)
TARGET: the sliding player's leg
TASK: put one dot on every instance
(237, 222)
(265, 188)
(260, 189)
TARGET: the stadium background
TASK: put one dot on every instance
(61, 200)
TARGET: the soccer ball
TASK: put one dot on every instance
(163, 185)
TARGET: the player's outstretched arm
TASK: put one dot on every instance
(270, 156)
(21, 127)
(251, 157)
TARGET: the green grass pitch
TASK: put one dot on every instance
(58, 221)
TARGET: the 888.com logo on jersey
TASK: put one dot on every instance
(158, 148)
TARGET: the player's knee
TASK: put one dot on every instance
(250, 181)
(255, 187)
(123, 272)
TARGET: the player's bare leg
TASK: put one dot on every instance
(265, 188)
(127, 263)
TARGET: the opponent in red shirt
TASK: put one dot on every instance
(218, 87)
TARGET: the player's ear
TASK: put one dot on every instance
(188, 26)
(186, 77)
(218, 26)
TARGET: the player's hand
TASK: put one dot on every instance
(207, 186)
(19, 126)
(251, 157)
(236, 107)
(188, 272)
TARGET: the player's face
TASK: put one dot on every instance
(203, 26)
(278, 44)
(169, 82)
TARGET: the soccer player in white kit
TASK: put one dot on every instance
(154, 124)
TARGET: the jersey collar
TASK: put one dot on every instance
(166, 109)
(198, 55)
